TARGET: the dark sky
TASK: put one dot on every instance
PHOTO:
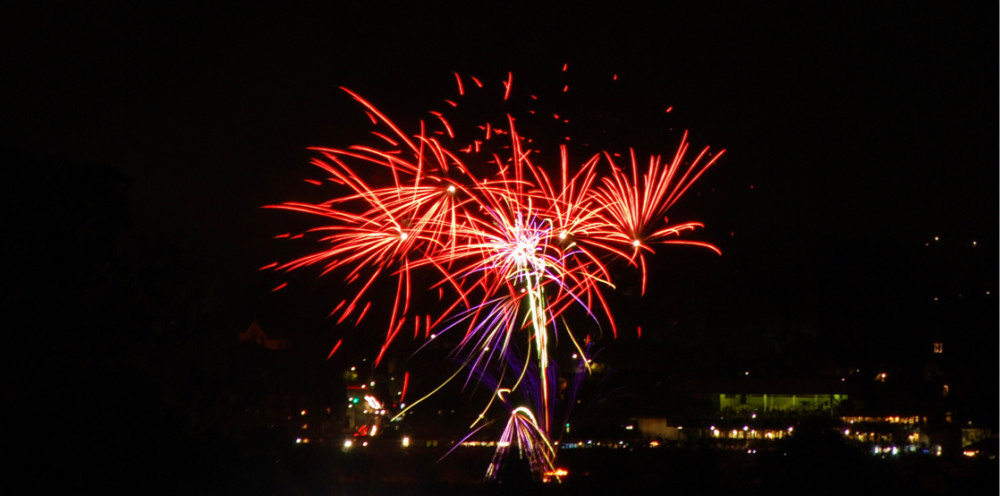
(855, 134)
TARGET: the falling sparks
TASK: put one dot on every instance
(510, 247)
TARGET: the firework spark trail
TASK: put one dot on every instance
(532, 443)
(513, 249)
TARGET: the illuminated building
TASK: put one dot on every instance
(763, 396)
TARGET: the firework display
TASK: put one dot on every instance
(512, 245)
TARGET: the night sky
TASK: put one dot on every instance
(859, 184)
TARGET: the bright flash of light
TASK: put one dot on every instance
(373, 402)
(508, 248)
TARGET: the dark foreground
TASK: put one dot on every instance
(670, 471)
(817, 467)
